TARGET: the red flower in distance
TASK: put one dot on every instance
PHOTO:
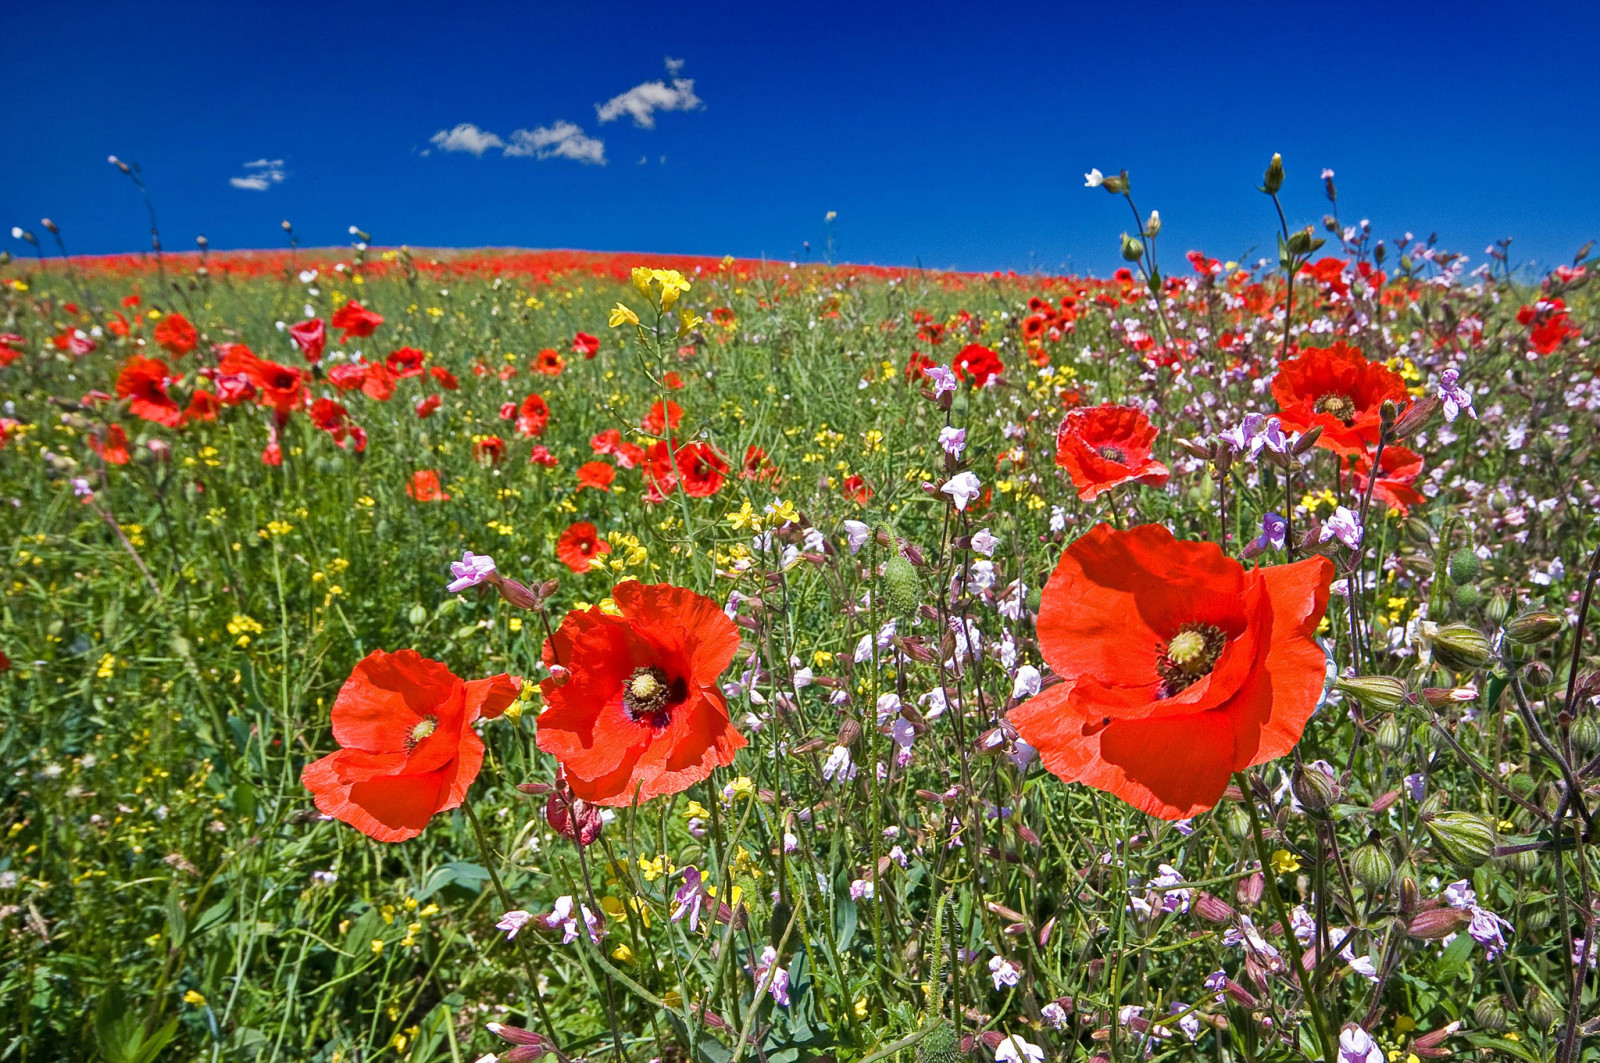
(549, 362)
(586, 345)
(112, 445)
(175, 335)
(596, 474)
(1338, 389)
(1180, 666)
(424, 487)
(429, 406)
(579, 545)
(311, 337)
(977, 363)
(1397, 476)
(1102, 447)
(661, 418)
(640, 714)
(407, 747)
(355, 320)
(444, 377)
(334, 419)
(144, 382)
(533, 417)
(489, 450)
(282, 387)
(405, 362)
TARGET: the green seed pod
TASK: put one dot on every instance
(1380, 693)
(1035, 597)
(1586, 734)
(902, 589)
(1388, 736)
(1461, 648)
(1372, 867)
(1490, 1014)
(1532, 626)
(1462, 838)
(418, 615)
(1499, 605)
(939, 1045)
(1463, 566)
(1541, 1009)
(1419, 532)
(1537, 917)
(1272, 180)
(1468, 597)
(1132, 250)
(1524, 862)
(1236, 821)
(1313, 788)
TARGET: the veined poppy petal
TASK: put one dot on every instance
(388, 695)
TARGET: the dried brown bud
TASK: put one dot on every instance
(849, 731)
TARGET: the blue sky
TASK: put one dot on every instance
(943, 134)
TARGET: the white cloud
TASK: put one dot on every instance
(564, 140)
(260, 175)
(643, 101)
(466, 137)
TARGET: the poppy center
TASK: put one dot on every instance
(1340, 407)
(1190, 655)
(647, 695)
(1115, 454)
(425, 727)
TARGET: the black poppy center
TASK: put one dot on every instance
(1189, 656)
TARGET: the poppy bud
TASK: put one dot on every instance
(1532, 626)
(1372, 867)
(1490, 1014)
(938, 1045)
(1467, 597)
(1381, 693)
(1387, 737)
(1272, 180)
(1436, 923)
(902, 590)
(1461, 838)
(1314, 788)
(1132, 250)
(1461, 648)
(1213, 909)
(1463, 566)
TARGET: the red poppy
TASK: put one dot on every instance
(1104, 446)
(144, 382)
(407, 747)
(424, 487)
(1180, 666)
(533, 417)
(311, 337)
(672, 380)
(917, 364)
(701, 469)
(444, 377)
(377, 382)
(540, 455)
(610, 441)
(549, 362)
(9, 351)
(428, 406)
(1338, 389)
(405, 362)
(489, 449)
(586, 345)
(661, 418)
(579, 545)
(334, 419)
(282, 387)
(355, 320)
(856, 490)
(175, 335)
(112, 445)
(1397, 476)
(640, 714)
(978, 363)
(596, 474)
(203, 406)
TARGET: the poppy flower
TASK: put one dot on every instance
(701, 469)
(311, 337)
(640, 714)
(977, 363)
(424, 487)
(671, 379)
(856, 489)
(1338, 389)
(610, 441)
(175, 335)
(347, 376)
(540, 455)
(144, 382)
(334, 419)
(663, 418)
(405, 362)
(282, 387)
(356, 320)
(579, 545)
(490, 450)
(549, 362)
(9, 351)
(377, 382)
(586, 345)
(1104, 446)
(444, 377)
(596, 474)
(916, 364)
(1398, 470)
(407, 747)
(429, 406)
(203, 406)
(1180, 666)
(533, 417)
(112, 446)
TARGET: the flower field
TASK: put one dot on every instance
(438, 655)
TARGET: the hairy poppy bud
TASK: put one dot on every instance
(1535, 625)
(1463, 566)
(1372, 867)
(1381, 693)
(1467, 597)
(938, 1045)
(902, 590)
(1461, 838)
(1461, 648)
(1272, 180)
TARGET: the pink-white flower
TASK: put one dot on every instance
(962, 488)
(470, 571)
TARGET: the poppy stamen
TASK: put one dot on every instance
(645, 695)
(1341, 407)
(1190, 656)
(1113, 454)
(425, 727)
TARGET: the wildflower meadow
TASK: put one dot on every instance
(441, 655)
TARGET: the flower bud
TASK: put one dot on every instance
(1152, 228)
(1490, 1014)
(1541, 1009)
(417, 616)
(1372, 867)
(1132, 250)
(1585, 734)
(1380, 693)
(1116, 184)
(902, 590)
(515, 594)
(1272, 180)
(1388, 736)
(849, 731)
(1416, 417)
(1497, 608)
(1251, 888)
(1538, 675)
(1236, 822)
(1463, 566)
(1534, 625)
(1436, 923)
(1213, 909)
(1315, 789)
(1461, 838)
(1461, 648)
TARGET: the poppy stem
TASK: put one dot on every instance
(1318, 1019)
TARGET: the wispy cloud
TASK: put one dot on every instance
(563, 140)
(260, 175)
(466, 137)
(643, 101)
(559, 140)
